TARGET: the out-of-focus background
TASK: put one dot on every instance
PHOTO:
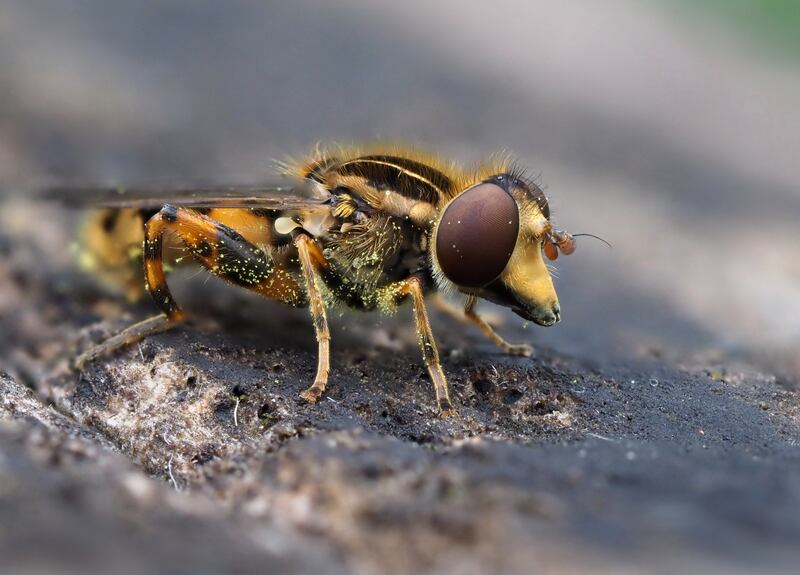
(671, 129)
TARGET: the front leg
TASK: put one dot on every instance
(469, 314)
(430, 353)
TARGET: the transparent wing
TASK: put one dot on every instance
(270, 197)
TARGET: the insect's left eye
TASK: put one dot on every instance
(477, 234)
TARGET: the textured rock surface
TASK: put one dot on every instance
(71, 503)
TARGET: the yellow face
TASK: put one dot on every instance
(527, 280)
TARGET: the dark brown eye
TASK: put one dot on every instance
(477, 234)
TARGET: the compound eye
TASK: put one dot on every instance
(477, 234)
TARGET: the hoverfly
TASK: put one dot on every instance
(368, 229)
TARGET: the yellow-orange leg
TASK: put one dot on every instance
(469, 314)
(430, 352)
(311, 259)
(221, 250)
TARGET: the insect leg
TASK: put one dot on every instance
(156, 284)
(470, 315)
(311, 259)
(430, 352)
(126, 337)
(221, 250)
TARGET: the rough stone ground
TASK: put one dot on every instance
(192, 452)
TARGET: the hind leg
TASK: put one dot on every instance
(220, 249)
(126, 337)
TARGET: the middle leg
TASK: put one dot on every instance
(311, 259)
(430, 352)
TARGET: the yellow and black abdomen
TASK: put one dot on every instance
(110, 248)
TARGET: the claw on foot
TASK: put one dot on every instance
(446, 409)
(312, 394)
(522, 350)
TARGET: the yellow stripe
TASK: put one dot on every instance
(400, 168)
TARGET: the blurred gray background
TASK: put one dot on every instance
(670, 129)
